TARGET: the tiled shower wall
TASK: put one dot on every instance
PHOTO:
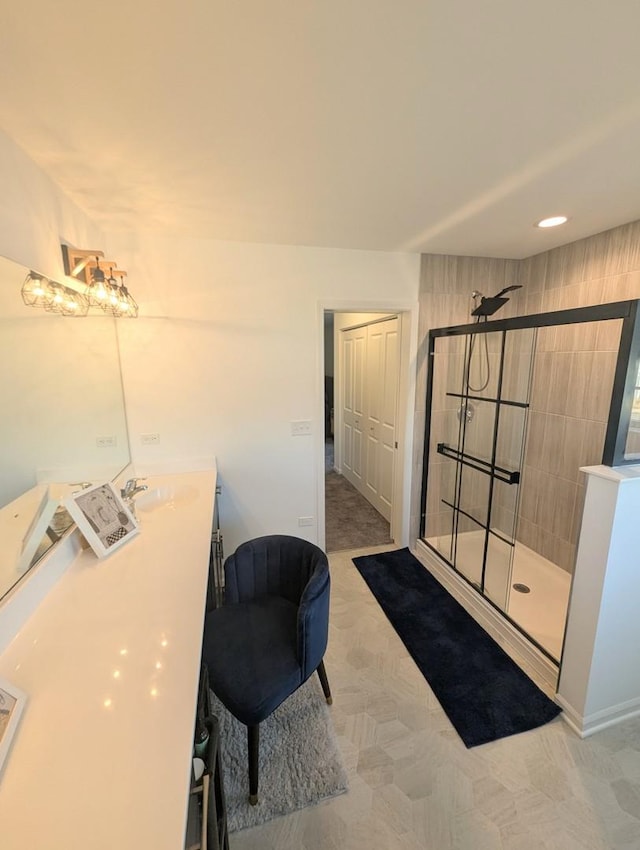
(446, 284)
(570, 397)
(573, 370)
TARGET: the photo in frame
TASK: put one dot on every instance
(12, 702)
(102, 517)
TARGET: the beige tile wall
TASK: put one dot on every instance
(445, 299)
(572, 376)
(570, 399)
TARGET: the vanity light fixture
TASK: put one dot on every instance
(35, 290)
(111, 297)
(552, 221)
(112, 304)
(54, 302)
(39, 291)
(96, 291)
(100, 291)
(76, 304)
(127, 305)
(119, 302)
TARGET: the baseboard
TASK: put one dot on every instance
(543, 671)
(589, 724)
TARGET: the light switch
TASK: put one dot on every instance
(301, 428)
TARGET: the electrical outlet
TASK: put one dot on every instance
(301, 428)
(108, 442)
(305, 520)
(149, 439)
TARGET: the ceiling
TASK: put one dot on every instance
(445, 126)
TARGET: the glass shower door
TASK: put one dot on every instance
(480, 390)
(448, 365)
(512, 414)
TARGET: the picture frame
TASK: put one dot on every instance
(36, 530)
(102, 517)
(12, 703)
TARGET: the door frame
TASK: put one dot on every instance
(407, 312)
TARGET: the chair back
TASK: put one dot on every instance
(294, 569)
(275, 565)
(313, 620)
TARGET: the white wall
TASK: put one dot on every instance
(229, 348)
(228, 351)
(60, 377)
(600, 677)
(35, 215)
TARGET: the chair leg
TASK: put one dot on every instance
(322, 675)
(254, 748)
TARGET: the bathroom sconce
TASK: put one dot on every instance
(35, 290)
(39, 291)
(114, 297)
(111, 296)
(96, 290)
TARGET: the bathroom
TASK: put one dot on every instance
(145, 363)
(225, 354)
(215, 388)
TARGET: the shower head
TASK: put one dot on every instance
(489, 306)
(508, 289)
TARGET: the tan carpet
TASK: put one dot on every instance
(351, 521)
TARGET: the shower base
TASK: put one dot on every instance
(542, 612)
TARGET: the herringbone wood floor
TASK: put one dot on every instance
(414, 785)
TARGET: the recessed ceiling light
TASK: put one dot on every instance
(554, 221)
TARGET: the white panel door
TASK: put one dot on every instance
(381, 413)
(389, 420)
(375, 357)
(354, 343)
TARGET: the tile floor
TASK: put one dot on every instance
(414, 785)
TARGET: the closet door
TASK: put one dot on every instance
(354, 345)
(381, 412)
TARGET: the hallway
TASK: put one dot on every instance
(351, 522)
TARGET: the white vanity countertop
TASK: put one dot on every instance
(110, 662)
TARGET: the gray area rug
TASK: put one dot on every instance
(351, 522)
(300, 762)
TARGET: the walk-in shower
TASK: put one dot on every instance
(514, 408)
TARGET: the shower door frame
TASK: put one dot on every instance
(625, 378)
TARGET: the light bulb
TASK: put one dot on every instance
(552, 221)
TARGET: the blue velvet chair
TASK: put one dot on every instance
(270, 635)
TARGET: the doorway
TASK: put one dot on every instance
(362, 390)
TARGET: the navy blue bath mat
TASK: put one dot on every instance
(483, 692)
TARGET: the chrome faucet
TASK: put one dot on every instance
(132, 488)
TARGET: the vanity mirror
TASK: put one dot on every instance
(63, 421)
